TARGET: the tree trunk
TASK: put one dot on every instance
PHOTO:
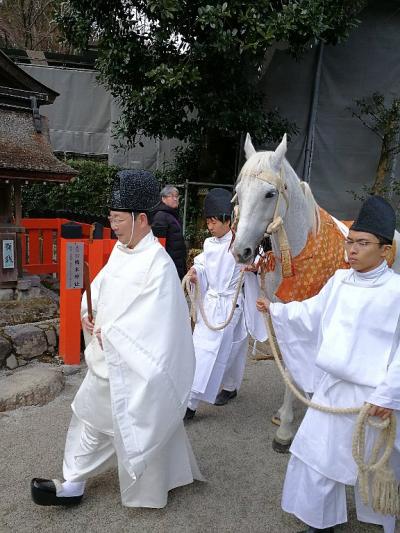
(217, 158)
(382, 169)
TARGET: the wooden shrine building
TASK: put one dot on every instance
(25, 156)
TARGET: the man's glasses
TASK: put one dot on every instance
(359, 244)
(117, 221)
(176, 196)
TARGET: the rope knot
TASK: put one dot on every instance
(275, 225)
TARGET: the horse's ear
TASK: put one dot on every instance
(279, 155)
(249, 149)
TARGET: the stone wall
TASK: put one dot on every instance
(23, 342)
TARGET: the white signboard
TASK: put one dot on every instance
(74, 265)
(8, 254)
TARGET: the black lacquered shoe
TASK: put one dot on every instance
(44, 492)
(224, 396)
(189, 415)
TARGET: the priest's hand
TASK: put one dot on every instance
(193, 275)
(98, 337)
(88, 324)
(382, 412)
(262, 305)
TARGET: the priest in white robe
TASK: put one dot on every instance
(221, 354)
(129, 409)
(347, 339)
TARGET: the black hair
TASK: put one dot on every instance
(221, 218)
(383, 241)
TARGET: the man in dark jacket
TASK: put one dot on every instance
(167, 217)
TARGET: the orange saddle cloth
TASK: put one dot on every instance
(316, 263)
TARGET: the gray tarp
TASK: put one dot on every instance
(79, 119)
(346, 153)
(82, 117)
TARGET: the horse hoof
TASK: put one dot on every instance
(275, 419)
(281, 447)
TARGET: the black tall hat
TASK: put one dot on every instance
(218, 203)
(135, 190)
(376, 216)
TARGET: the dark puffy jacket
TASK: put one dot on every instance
(175, 244)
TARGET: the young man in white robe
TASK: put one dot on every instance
(140, 357)
(221, 354)
(346, 337)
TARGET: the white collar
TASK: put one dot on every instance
(372, 278)
(144, 243)
(225, 238)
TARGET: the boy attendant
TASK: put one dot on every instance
(221, 355)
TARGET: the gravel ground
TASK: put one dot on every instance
(233, 448)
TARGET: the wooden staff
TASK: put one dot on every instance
(86, 283)
(91, 231)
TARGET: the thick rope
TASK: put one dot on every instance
(384, 487)
(196, 300)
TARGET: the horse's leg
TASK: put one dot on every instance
(284, 435)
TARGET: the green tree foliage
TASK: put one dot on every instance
(383, 119)
(86, 195)
(192, 69)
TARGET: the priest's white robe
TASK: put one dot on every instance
(343, 344)
(221, 355)
(133, 399)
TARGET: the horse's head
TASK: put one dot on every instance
(260, 184)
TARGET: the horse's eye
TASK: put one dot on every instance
(270, 194)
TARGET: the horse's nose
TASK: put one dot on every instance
(245, 255)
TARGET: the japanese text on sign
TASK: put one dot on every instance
(8, 253)
(74, 279)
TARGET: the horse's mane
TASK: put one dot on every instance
(312, 208)
(261, 161)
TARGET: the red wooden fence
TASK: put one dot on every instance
(44, 252)
(41, 244)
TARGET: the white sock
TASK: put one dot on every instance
(193, 404)
(71, 488)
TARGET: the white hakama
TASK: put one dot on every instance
(91, 449)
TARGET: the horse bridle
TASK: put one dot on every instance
(276, 225)
(277, 180)
(280, 185)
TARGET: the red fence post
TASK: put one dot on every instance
(70, 315)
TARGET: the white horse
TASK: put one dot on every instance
(267, 188)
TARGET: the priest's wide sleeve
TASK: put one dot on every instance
(199, 265)
(297, 330)
(255, 321)
(387, 394)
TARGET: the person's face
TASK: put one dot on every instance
(172, 200)
(121, 224)
(217, 228)
(364, 251)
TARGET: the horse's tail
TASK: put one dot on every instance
(312, 208)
